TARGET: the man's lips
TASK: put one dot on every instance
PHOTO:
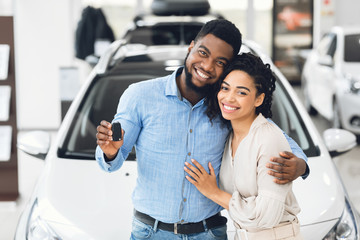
(202, 74)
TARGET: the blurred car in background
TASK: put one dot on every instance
(74, 199)
(170, 22)
(331, 78)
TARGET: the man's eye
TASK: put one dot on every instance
(221, 64)
(202, 53)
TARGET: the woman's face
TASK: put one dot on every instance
(237, 96)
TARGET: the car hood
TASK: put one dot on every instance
(80, 201)
(352, 69)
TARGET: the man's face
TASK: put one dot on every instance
(205, 62)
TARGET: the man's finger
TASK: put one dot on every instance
(281, 181)
(105, 124)
(103, 137)
(275, 167)
(286, 154)
(278, 160)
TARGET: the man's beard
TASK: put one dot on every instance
(188, 80)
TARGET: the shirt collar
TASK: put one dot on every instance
(171, 86)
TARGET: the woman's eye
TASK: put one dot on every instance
(223, 88)
(242, 93)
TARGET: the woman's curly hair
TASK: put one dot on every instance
(262, 75)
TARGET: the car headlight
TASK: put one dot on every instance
(355, 86)
(37, 228)
(346, 228)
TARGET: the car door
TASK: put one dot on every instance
(321, 88)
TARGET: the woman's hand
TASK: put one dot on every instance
(204, 182)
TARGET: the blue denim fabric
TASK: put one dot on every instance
(142, 231)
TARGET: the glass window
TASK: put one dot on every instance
(100, 103)
(327, 45)
(165, 34)
(352, 48)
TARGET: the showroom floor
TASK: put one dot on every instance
(30, 168)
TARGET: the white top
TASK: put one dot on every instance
(257, 202)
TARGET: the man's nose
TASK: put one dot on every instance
(208, 65)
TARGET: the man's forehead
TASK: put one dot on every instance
(213, 43)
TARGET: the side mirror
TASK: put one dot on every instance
(326, 61)
(35, 143)
(339, 141)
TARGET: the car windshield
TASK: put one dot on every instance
(352, 48)
(164, 34)
(102, 96)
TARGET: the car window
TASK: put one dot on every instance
(286, 116)
(352, 48)
(164, 34)
(327, 45)
(100, 103)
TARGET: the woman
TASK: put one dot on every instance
(260, 208)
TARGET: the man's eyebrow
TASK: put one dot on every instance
(208, 50)
(239, 87)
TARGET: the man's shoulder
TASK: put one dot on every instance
(153, 82)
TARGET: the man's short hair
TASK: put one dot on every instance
(223, 29)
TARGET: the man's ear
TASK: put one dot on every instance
(192, 44)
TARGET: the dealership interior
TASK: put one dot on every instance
(51, 53)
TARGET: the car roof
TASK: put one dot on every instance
(345, 30)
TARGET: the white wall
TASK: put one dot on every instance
(44, 40)
(347, 12)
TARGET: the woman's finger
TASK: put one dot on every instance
(192, 168)
(212, 172)
(190, 172)
(198, 165)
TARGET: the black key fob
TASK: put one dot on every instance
(116, 129)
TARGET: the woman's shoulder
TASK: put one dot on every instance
(266, 131)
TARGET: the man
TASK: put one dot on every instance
(166, 120)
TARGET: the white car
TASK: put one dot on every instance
(75, 200)
(331, 78)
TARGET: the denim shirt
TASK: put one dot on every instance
(167, 131)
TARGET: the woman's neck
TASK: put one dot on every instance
(241, 127)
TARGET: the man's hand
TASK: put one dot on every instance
(287, 167)
(105, 142)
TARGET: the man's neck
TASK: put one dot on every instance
(192, 96)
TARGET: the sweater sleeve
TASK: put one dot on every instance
(266, 209)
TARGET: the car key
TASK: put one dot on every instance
(116, 129)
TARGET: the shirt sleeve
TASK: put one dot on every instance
(266, 209)
(128, 114)
(296, 149)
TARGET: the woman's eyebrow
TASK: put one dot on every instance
(240, 87)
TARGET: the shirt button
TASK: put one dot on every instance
(189, 153)
(182, 221)
(184, 199)
(191, 130)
